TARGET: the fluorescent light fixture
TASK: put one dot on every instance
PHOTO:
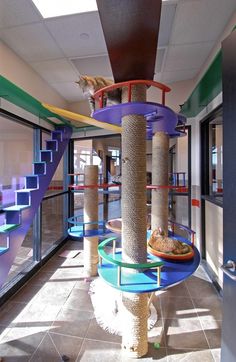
(53, 8)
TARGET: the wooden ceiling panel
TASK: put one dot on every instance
(131, 30)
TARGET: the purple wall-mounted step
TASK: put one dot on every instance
(46, 156)
(39, 168)
(52, 145)
(20, 216)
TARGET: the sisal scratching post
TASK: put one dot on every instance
(90, 215)
(133, 209)
(160, 152)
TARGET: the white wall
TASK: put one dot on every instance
(18, 72)
(213, 256)
(214, 239)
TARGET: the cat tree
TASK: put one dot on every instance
(133, 211)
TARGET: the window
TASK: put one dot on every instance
(19, 145)
(212, 157)
(215, 157)
(115, 155)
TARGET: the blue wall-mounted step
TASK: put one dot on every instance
(23, 197)
(16, 208)
(13, 217)
(18, 218)
(39, 168)
(3, 250)
(52, 145)
(31, 182)
(46, 156)
(56, 135)
(8, 227)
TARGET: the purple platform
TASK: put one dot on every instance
(160, 118)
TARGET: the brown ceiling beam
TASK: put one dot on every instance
(131, 29)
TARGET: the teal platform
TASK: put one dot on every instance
(117, 274)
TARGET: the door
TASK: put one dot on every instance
(228, 353)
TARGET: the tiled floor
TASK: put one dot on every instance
(53, 316)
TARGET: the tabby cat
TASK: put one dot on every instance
(90, 85)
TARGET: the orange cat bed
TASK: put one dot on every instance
(169, 248)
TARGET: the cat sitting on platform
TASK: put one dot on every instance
(160, 242)
(90, 85)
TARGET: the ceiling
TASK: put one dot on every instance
(61, 48)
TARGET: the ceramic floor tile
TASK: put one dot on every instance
(15, 347)
(187, 355)
(79, 300)
(10, 311)
(3, 331)
(96, 351)
(212, 330)
(54, 263)
(40, 278)
(72, 322)
(200, 273)
(209, 308)
(179, 290)
(67, 345)
(83, 283)
(54, 292)
(200, 288)
(157, 333)
(184, 333)
(177, 307)
(46, 351)
(157, 304)
(38, 314)
(70, 274)
(26, 294)
(216, 353)
(96, 332)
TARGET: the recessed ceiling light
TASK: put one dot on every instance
(84, 36)
(52, 8)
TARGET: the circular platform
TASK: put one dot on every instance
(160, 118)
(172, 272)
(78, 230)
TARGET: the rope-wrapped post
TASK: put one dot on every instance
(133, 210)
(160, 153)
(90, 215)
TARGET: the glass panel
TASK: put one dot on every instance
(24, 257)
(16, 149)
(54, 219)
(178, 209)
(84, 155)
(178, 162)
(216, 157)
(56, 185)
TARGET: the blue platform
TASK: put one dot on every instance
(172, 272)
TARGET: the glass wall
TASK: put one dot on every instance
(212, 157)
(216, 157)
(53, 227)
(19, 147)
(56, 184)
(104, 152)
(16, 149)
(179, 176)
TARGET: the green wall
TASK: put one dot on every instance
(207, 89)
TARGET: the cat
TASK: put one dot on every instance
(90, 85)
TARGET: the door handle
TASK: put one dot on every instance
(229, 268)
